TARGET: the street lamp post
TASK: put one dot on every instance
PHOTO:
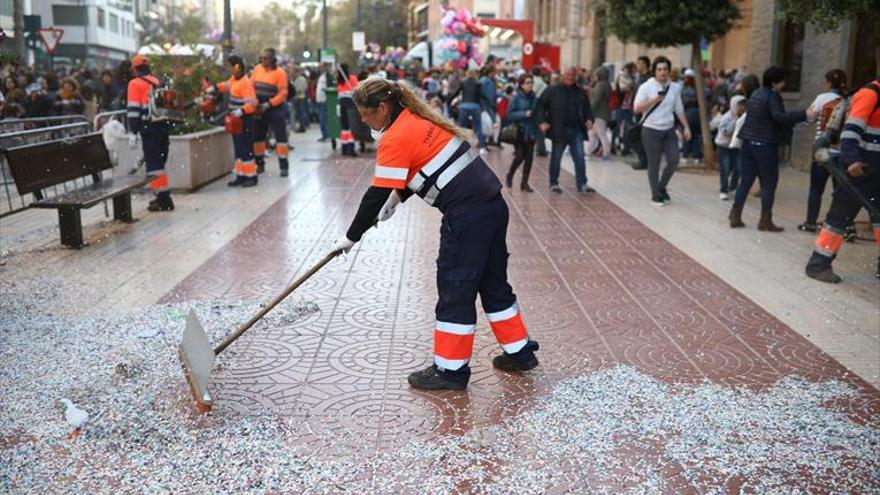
(226, 39)
(324, 21)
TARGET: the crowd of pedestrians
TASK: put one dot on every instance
(647, 109)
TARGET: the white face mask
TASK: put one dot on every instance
(377, 135)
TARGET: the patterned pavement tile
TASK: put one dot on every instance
(596, 286)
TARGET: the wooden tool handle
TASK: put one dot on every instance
(232, 338)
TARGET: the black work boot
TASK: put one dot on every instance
(433, 378)
(249, 181)
(237, 181)
(522, 360)
(261, 164)
(161, 203)
(819, 268)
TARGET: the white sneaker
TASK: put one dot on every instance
(659, 203)
(723, 196)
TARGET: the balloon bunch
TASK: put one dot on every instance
(460, 41)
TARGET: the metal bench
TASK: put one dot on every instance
(39, 166)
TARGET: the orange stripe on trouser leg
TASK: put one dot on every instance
(259, 148)
(238, 167)
(510, 330)
(346, 137)
(452, 346)
(828, 242)
(282, 150)
(249, 169)
(160, 183)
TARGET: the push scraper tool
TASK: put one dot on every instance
(197, 356)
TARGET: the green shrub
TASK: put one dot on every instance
(186, 74)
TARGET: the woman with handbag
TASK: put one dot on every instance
(521, 115)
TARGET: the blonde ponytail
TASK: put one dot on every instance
(375, 90)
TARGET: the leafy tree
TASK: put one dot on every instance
(665, 23)
(192, 29)
(827, 15)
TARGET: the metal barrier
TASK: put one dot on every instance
(17, 125)
(102, 118)
(10, 201)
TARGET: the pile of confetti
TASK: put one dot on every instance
(615, 430)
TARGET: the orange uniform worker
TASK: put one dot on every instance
(243, 104)
(420, 152)
(154, 134)
(346, 84)
(270, 83)
(860, 156)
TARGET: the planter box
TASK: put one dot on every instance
(199, 158)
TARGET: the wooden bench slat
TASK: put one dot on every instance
(88, 196)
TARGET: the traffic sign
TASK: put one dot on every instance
(528, 48)
(50, 37)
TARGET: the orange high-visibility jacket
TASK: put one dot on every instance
(346, 88)
(138, 105)
(241, 94)
(270, 85)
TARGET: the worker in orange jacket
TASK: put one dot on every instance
(346, 85)
(154, 133)
(270, 83)
(422, 153)
(243, 105)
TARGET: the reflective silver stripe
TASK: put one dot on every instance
(825, 252)
(134, 104)
(394, 173)
(502, 315)
(515, 346)
(850, 135)
(856, 122)
(133, 113)
(440, 158)
(870, 146)
(449, 364)
(446, 177)
(456, 167)
(455, 328)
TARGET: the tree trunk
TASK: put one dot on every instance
(18, 30)
(708, 149)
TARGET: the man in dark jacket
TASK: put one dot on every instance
(565, 117)
(766, 126)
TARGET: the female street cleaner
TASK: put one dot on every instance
(422, 153)
(243, 104)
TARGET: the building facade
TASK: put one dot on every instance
(100, 33)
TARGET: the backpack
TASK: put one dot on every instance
(826, 111)
(291, 90)
(164, 103)
(614, 100)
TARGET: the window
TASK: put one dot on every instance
(69, 15)
(101, 17)
(790, 43)
(114, 23)
(6, 8)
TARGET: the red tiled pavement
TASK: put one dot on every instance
(596, 287)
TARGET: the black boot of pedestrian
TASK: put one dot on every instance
(236, 182)
(433, 378)
(522, 360)
(261, 165)
(283, 172)
(508, 181)
(249, 181)
(162, 202)
(819, 268)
